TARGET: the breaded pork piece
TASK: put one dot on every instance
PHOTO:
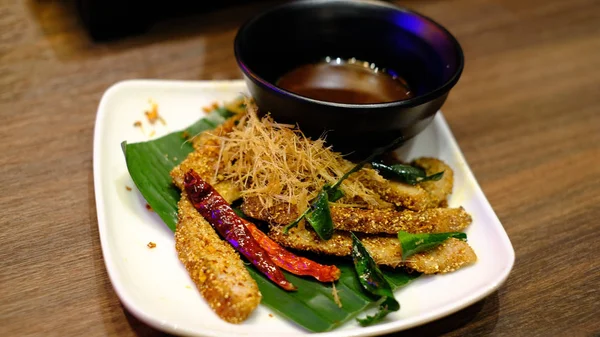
(385, 250)
(372, 221)
(204, 161)
(447, 257)
(440, 190)
(281, 213)
(211, 137)
(402, 195)
(424, 195)
(214, 266)
(431, 220)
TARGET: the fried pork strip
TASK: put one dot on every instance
(214, 266)
(447, 257)
(441, 189)
(431, 220)
(204, 161)
(373, 221)
(414, 198)
(280, 213)
(425, 195)
(385, 250)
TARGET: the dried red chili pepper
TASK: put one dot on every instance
(294, 264)
(219, 214)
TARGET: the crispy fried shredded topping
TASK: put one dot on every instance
(152, 113)
(277, 163)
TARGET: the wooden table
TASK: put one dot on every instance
(526, 114)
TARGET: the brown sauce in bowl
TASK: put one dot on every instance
(351, 82)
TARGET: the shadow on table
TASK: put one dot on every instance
(482, 317)
(140, 328)
(71, 37)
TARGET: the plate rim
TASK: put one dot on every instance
(382, 328)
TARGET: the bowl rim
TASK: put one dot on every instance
(411, 102)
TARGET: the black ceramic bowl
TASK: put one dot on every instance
(301, 32)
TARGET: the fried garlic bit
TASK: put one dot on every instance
(152, 113)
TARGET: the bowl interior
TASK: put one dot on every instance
(412, 46)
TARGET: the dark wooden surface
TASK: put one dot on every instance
(526, 113)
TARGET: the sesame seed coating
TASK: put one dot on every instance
(431, 220)
(372, 221)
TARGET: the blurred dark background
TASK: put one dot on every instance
(107, 20)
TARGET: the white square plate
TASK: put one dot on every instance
(155, 287)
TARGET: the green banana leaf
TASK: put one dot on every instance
(312, 306)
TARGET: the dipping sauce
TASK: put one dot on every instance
(352, 82)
